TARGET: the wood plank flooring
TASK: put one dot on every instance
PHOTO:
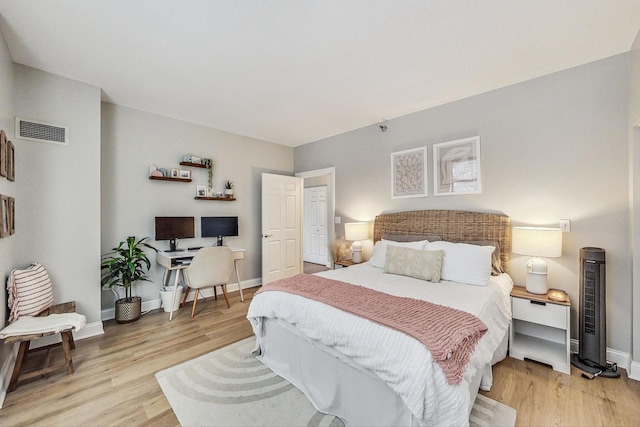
(114, 382)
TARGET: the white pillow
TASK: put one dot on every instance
(464, 263)
(380, 250)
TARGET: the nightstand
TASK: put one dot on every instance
(540, 329)
(343, 263)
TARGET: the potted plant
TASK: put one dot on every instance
(228, 188)
(123, 267)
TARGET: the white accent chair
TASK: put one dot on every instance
(210, 267)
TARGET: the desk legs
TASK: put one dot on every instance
(235, 265)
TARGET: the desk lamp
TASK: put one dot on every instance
(537, 242)
(356, 231)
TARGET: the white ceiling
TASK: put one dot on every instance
(296, 71)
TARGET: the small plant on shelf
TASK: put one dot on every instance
(228, 188)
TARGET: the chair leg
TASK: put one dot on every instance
(195, 301)
(215, 293)
(224, 291)
(184, 299)
(67, 346)
(23, 351)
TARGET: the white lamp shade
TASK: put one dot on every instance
(537, 241)
(355, 231)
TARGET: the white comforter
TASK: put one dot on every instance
(399, 360)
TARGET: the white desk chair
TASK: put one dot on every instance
(210, 267)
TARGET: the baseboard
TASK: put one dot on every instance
(634, 372)
(621, 358)
(110, 313)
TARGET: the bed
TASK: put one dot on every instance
(369, 374)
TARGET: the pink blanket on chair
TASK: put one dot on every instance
(449, 334)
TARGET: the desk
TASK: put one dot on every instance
(179, 260)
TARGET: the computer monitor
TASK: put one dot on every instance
(219, 226)
(175, 227)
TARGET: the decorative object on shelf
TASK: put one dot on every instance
(201, 191)
(184, 173)
(209, 164)
(409, 173)
(456, 167)
(165, 172)
(228, 189)
(123, 267)
(190, 158)
(175, 173)
(356, 231)
(537, 242)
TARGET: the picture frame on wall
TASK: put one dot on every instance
(3, 153)
(175, 173)
(12, 215)
(456, 167)
(409, 173)
(184, 173)
(11, 158)
(4, 207)
(201, 191)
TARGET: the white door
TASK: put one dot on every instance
(281, 227)
(315, 225)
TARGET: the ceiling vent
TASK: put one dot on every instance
(41, 132)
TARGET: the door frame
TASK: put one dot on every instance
(331, 209)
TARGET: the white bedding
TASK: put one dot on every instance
(399, 360)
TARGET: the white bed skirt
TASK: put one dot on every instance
(336, 385)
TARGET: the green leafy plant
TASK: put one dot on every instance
(126, 265)
(228, 185)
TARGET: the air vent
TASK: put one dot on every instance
(41, 132)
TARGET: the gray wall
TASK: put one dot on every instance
(634, 150)
(133, 140)
(58, 214)
(8, 244)
(553, 147)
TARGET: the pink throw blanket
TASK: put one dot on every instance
(449, 334)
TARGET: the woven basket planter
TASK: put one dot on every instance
(128, 311)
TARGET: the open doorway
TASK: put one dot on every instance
(319, 206)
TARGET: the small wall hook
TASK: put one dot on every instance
(383, 128)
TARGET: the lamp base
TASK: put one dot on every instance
(537, 283)
(356, 252)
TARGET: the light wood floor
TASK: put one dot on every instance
(114, 383)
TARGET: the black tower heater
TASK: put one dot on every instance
(592, 357)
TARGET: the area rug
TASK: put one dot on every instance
(230, 387)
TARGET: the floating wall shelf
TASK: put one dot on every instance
(194, 165)
(222, 199)
(168, 178)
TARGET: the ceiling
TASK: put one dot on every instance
(293, 72)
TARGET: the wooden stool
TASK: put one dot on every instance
(67, 343)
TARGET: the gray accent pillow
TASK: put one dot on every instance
(416, 263)
(410, 237)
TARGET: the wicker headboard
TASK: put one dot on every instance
(454, 226)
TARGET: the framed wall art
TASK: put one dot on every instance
(409, 173)
(4, 206)
(11, 161)
(3, 153)
(12, 215)
(456, 167)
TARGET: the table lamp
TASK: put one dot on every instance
(537, 242)
(356, 231)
